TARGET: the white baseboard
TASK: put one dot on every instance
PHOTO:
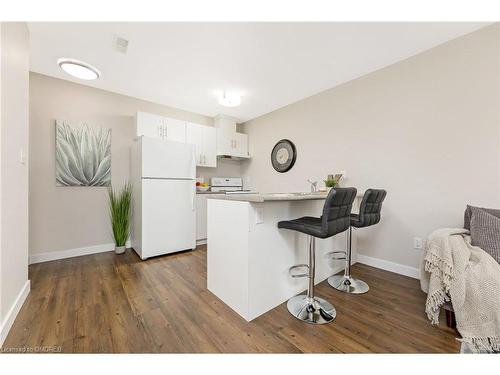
(13, 311)
(63, 254)
(201, 242)
(389, 266)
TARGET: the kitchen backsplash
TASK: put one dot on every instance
(225, 168)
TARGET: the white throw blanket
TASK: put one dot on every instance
(470, 277)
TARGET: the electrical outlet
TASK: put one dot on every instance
(417, 243)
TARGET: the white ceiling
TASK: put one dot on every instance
(185, 65)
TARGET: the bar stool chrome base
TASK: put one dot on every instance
(348, 284)
(313, 310)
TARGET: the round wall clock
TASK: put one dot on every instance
(283, 156)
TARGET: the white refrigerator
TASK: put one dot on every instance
(164, 197)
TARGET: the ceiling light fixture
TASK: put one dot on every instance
(228, 99)
(79, 69)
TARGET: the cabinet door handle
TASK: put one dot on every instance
(204, 159)
(159, 132)
(165, 131)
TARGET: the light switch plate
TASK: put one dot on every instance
(259, 215)
(22, 157)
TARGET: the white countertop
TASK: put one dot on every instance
(265, 197)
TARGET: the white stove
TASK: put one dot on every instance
(229, 185)
(224, 184)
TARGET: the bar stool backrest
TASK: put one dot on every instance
(371, 205)
(337, 210)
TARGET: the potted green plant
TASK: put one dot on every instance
(332, 181)
(120, 207)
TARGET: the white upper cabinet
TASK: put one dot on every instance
(210, 142)
(209, 146)
(149, 125)
(229, 142)
(241, 145)
(194, 135)
(205, 140)
(225, 142)
(175, 130)
(156, 126)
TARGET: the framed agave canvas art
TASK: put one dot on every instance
(83, 155)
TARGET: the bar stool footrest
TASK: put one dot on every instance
(293, 269)
(337, 255)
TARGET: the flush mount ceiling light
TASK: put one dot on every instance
(228, 99)
(79, 69)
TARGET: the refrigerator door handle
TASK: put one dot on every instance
(193, 204)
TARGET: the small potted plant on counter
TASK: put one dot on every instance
(332, 181)
(120, 207)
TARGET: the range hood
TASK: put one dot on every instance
(232, 157)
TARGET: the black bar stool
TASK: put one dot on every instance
(335, 219)
(369, 214)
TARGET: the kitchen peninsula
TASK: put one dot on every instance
(248, 257)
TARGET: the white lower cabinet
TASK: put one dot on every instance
(201, 217)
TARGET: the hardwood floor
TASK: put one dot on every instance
(107, 303)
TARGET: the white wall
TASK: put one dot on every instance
(425, 129)
(66, 218)
(14, 284)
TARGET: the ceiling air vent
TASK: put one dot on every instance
(121, 44)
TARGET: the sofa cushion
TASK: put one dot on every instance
(485, 231)
(467, 214)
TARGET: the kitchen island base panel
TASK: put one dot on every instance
(248, 257)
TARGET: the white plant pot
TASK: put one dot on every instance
(119, 249)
